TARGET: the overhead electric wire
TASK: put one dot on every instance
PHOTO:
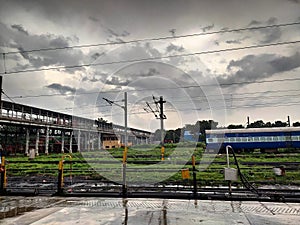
(208, 109)
(8, 97)
(157, 38)
(153, 58)
(231, 98)
(169, 88)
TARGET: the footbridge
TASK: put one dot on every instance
(24, 127)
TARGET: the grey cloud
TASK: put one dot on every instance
(237, 41)
(19, 27)
(114, 80)
(175, 48)
(63, 89)
(127, 78)
(253, 67)
(254, 23)
(145, 73)
(272, 20)
(271, 35)
(118, 34)
(284, 63)
(14, 38)
(96, 55)
(294, 1)
(233, 42)
(93, 19)
(172, 31)
(57, 42)
(207, 28)
(268, 34)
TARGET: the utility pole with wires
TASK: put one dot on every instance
(124, 186)
(159, 114)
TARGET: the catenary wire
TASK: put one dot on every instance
(156, 39)
(152, 58)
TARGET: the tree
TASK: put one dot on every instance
(256, 124)
(279, 124)
(232, 126)
(202, 126)
(157, 135)
(296, 124)
(173, 135)
(268, 124)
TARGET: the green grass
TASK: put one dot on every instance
(83, 164)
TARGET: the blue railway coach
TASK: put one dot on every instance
(249, 139)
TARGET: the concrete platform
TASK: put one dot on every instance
(157, 211)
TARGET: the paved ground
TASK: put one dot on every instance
(149, 211)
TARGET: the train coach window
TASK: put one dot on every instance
(268, 138)
(210, 140)
(250, 139)
(232, 139)
(238, 139)
(288, 138)
(295, 138)
(275, 138)
(220, 140)
(244, 139)
(256, 138)
(281, 138)
(262, 138)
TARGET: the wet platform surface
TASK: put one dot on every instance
(45, 210)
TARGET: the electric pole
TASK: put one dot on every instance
(159, 109)
(124, 186)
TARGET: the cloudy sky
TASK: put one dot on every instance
(220, 60)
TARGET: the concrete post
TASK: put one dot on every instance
(47, 141)
(92, 144)
(71, 142)
(99, 141)
(37, 142)
(85, 141)
(27, 142)
(62, 141)
(89, 141)
(78, 141)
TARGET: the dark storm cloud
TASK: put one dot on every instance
(18, 39)
(257, 67)
(284, 63)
